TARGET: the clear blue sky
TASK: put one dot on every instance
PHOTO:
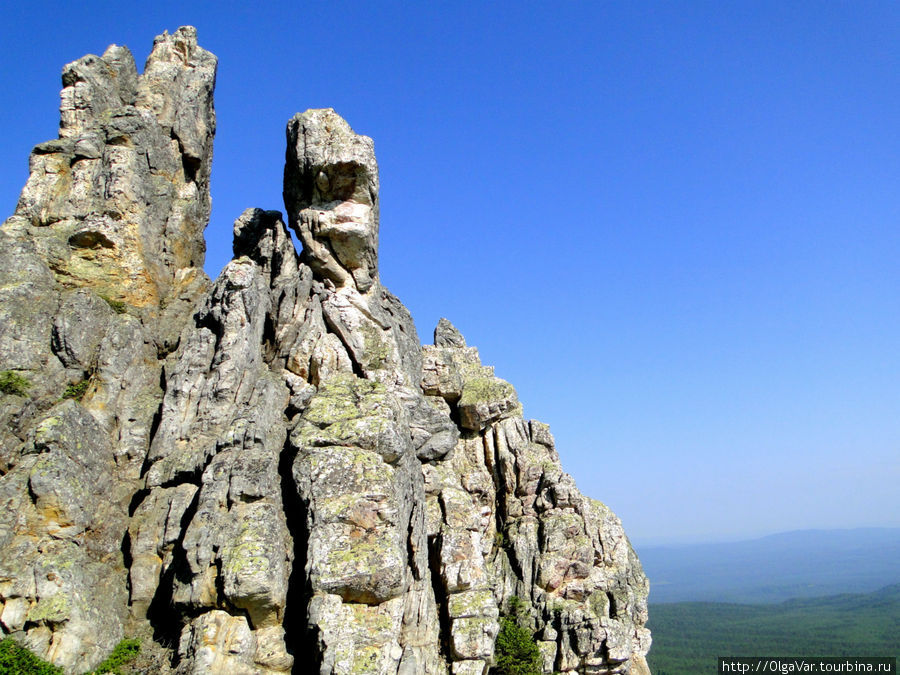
(672, 225)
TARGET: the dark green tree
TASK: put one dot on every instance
(515, 652)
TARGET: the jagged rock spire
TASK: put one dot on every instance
(147, 140)
(447, 335)
(102, 267)
(331, 196)
(303, 487)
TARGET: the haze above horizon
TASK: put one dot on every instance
(673, 228)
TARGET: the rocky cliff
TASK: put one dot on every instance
(268, 472)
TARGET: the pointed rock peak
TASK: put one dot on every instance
(179, 45)
(331, 197)
(113, 202)
(262, 237)
(121, 61)
(446, 335)
(93, 85)
(250, 228)
(177, 85)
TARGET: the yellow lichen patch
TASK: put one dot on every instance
(50, 609)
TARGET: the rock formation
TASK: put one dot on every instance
(267, 472)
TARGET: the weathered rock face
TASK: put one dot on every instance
(119, 201)
(102, 267)
(275, 475)
(331, 195)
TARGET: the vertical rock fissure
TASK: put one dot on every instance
(166, 620)
(410, 549)
(440, 596)
(136, 499)
(501, 515)
(269, 341)
(155, 421)
(297, 638)
(332, 329)
(125, 549)
(613, 606)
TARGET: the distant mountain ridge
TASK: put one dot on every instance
(798, 564)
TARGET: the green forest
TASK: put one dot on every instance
(688, 637)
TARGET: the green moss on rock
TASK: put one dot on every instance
(13, 383)
(127, 650)
(77, 390)
(485, 389)
(50, 609)
(376, 347)
(118, 306)
(14, 658)
(344, 397)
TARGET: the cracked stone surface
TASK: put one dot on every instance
(266, 473)
(103, 264)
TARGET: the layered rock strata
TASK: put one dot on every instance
(275, 475)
